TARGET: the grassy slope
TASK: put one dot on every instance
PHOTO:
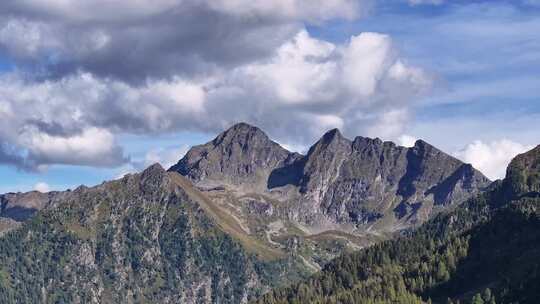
(228, 223)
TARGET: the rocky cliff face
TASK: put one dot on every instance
(340, 184)
(240, 156)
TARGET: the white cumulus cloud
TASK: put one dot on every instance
(491, 158)
(134, 40)
(406, 140)
(42, 187)
(304, 87)
(93, 146)
(311, 10)
(89, 70)
(166, 157)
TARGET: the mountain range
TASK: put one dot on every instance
(237, 217)
(352, 186)
(484, 251)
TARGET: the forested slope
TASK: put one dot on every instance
(141, 239)
(485, 251)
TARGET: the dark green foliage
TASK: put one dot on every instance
(26, 268)
(117, 245)
(485, 251)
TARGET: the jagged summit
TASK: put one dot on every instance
(528, 162)
(155, 168)
(331, 135)
(331, 142)
(338, 180)
(500, 233)
(241, 133)
(523, 174)
(243, 154)
(243, 126)
(421, 143)
(244, 195)
(153, 177)
(367, 141)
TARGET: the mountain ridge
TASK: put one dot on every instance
(240, 201)
(146, 237)
(333, 165)
(483, 251)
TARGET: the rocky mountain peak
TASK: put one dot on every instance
(242, 134)
(332, 135)
(243, 154)
(371, 145)
(153, 170)
(424, 157)
(153, 175)
(424, 148)
(366, 141)
(323, 160)
(339, 180)
(523, 174)
(421, 143)
(332, 142)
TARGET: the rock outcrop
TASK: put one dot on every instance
(241, 156)
(365, 183)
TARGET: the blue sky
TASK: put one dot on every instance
(487, 54)
(473, 91)
(60, 177)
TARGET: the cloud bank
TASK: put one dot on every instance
(136, 40)
(87, 71)
(491, 158)
(42, 187)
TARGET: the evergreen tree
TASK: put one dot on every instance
(477, 299)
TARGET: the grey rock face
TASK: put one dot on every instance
(361, 182)
(242, 155)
